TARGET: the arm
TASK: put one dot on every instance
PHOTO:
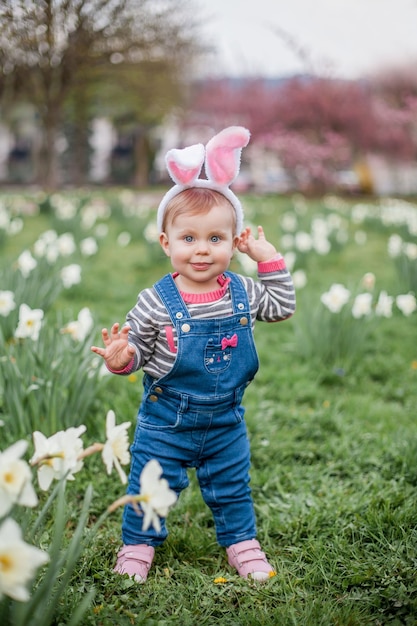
(274, 294)
(130, 349)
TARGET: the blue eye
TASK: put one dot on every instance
(215, 238)
(188, 238)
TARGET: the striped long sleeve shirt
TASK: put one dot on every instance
(271, 299)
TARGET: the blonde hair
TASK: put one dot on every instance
(195, 201)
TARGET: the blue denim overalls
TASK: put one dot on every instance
(192, 417)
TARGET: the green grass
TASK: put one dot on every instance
(334, 462)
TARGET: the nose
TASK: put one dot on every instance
(202, 247)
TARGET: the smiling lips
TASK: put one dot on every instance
(200, 266)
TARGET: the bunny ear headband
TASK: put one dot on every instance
(222, 164)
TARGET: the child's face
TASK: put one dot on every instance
(200, 247)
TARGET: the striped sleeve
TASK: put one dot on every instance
(148, 320)
(272, 297)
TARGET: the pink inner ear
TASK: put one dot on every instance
(223, 153)
(223, 164)
(183, 176)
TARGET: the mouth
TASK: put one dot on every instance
(200, 267)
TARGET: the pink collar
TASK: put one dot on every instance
(210, 296)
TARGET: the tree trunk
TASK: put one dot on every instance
(79, 146)
(47, 168)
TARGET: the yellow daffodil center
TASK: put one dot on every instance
(6, 563)
(8, 477)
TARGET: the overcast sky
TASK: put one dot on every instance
(344, 38)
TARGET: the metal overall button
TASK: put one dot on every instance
(243, 321)
(185, 328)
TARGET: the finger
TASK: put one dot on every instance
(125, 331)
(115, 331)
(105, 336)
(98, 350)
(243, 237)
(261, 234)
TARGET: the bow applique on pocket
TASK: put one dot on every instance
(232, 342)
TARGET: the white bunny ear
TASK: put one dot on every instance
(184, 166)
(223, 154)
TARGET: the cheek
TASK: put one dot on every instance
(177, 252)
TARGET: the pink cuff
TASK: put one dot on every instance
(276, 263)
(126, 370)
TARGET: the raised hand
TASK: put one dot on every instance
(257, 249)
(117, 352)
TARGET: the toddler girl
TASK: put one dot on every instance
(191, 333)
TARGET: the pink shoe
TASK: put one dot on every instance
(249, 560)
(135, 560)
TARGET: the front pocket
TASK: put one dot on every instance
(159, 414)
(216, 358)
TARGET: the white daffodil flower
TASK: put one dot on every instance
(124, 238)
(64, 208)
(18, 561)
(71, 275)
(151, 232)
(321, 245)
(384, 305)
(406, 303)
(335, 298)
(303, 241)
(15, 479)
(26, 263)
(7, 303)
(66, 244)
(79, 328)
(88, 246)
(58, 456)
(116, 449)
(395, 245)
(46, 246)
(52, 253)
(410, 250)
(289, 222)
(299, 279)
(362, 305)
(29, 324)
(15, 226)
(156, 496)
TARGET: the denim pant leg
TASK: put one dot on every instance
(151, 444)
(224, 481)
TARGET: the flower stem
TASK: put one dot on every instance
(95, 447)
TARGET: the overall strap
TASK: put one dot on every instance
(170, 296)
(239, 296)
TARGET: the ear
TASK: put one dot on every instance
(163, 240)
(184, 166)
(223, 153)
(235, 243)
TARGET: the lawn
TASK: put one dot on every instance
(331, 416)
